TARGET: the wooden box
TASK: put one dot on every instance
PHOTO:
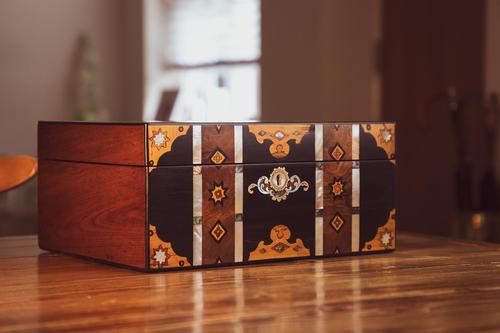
(157, 196)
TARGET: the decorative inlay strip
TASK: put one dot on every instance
(238, 208)
(319, 206)
(319, 186)
(197, 216)
(238, 144)
(355, 142)
(238, 196)
(318, 141)
(319, 236)
(197, 244)
(355, 176)
(355, 233)
(355, 184)
(196, 144)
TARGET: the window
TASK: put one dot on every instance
(210, 52)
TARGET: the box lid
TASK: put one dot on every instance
(168, 143)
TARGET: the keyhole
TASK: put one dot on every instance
(279, 180)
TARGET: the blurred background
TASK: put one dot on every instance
(431, 65)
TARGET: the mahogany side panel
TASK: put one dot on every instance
(92, 142)
(92, 210)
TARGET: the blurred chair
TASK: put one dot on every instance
(16, 170)
(167, 103)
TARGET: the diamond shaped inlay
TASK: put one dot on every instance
(279, 135)
(337, 152)
(337, 222)
(218, 231)
(218, 157)
(280, 247)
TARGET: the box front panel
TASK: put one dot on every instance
(278, 203)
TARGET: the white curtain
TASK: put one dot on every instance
(211, 31)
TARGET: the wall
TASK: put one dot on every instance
(38, 41)
(492, 46)
(37, 55)
(492, 63)
(319, 60)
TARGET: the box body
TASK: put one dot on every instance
(158, 196)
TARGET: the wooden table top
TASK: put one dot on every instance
(428, 284)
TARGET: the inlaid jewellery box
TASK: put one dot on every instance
(162, 195)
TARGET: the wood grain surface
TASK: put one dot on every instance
(337, 241)
(93, 210)
(337, 134)
(428, 284)
(218, 211)
(217, 138)
(92, 142)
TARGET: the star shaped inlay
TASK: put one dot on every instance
(218, 193)
(386, 238)
(337, 187)
(161, 256)
(159, 139)
(385, 135)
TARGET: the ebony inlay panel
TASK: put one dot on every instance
(377, 205)
(170, 212)
(278, 224)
